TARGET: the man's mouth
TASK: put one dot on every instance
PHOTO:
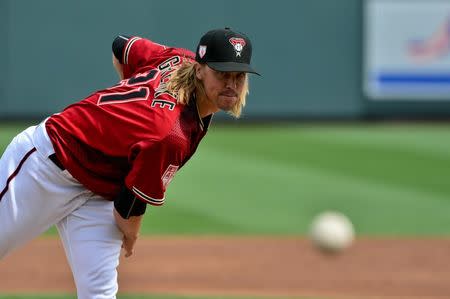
(229, 93)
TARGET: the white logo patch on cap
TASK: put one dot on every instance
(201, 51)
(238, 44)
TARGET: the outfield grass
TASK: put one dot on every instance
(389, 179)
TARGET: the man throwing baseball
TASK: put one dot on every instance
(92, 169)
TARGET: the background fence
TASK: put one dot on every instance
(309, 52)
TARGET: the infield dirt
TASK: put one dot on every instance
(372, 268)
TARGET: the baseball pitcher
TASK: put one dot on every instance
(92, 169)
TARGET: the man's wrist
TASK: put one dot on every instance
(128, 205)
(129, 227)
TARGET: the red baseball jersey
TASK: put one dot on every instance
(133, 133)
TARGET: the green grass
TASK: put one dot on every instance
(389, 179)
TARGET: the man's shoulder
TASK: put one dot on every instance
(185, 53)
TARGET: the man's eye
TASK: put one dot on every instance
(219, 73)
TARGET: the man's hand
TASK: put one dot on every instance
(130, 229)
(128, 245)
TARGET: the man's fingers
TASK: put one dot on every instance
(128, 245)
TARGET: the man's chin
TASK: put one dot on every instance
(227, 103)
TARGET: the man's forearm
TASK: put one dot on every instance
(130, 228)
(118, 67)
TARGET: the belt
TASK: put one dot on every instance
(56, 161)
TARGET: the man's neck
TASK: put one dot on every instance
(205, 107)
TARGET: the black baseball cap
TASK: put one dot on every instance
(225, 50)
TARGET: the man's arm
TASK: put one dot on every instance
(118, 47)
(130, 228)
(128, 213)
(134, 53)
(118, 67)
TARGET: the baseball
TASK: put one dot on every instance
(332, 232)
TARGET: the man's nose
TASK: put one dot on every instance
(230, 81)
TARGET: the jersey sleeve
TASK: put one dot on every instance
(153, 167)
(135, 52)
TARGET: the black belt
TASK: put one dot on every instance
(55, 160)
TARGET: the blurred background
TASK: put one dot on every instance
(319, 59)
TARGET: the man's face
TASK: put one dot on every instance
(222, 88)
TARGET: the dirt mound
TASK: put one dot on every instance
(372, 268)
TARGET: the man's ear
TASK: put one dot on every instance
(199, 71)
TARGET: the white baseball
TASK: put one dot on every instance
(332, 231)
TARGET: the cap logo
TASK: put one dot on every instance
(238, 44)
(201, 51)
